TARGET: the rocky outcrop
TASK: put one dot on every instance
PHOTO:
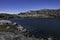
(19, 36)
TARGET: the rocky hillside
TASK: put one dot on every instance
(44, 13)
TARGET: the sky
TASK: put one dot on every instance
(17, 6)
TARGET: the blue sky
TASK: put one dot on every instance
(17, 6)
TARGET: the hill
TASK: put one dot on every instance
(44, 13)
(7, 16)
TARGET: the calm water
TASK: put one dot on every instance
(44, 26)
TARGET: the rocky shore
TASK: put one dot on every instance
(14, 31)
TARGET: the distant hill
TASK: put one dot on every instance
(44, 13)
(7, 16)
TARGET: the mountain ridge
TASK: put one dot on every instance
(43, 13)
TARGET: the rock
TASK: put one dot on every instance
(7, 27)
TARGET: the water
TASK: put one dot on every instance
(40, 25)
